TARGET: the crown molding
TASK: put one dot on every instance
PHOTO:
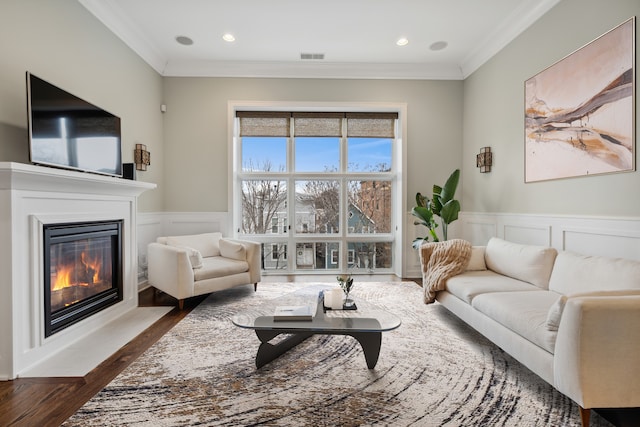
(316, 70)
(112, 16)
(518, 22)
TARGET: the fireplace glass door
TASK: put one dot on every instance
(83, 271)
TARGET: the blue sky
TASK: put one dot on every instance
(316, 154)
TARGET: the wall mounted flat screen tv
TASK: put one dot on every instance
(68, 132)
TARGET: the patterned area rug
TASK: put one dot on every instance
(432, 371)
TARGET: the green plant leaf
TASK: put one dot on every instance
(450, 211)
(449, 190)
(424, 214)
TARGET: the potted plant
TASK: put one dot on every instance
(442, 204)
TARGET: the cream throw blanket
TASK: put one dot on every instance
(440, 261)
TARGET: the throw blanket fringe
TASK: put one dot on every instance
(441, 261)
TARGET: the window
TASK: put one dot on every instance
(278, 252)
(334, 257)
(330, 175)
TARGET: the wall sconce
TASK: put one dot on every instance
(484, 160)
(141, 157)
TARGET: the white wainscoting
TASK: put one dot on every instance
(605, 236)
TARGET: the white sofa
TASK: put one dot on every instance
(187, 266)
(572, 319)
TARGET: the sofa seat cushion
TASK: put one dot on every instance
(525, 313)
(470, 284)
(217, 266)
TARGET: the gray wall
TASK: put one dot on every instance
(494, 116)
(61, 42)
(196, 138)
(448, 121)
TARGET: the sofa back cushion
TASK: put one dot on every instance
(575, 273)
(531, 264)
(207, 243)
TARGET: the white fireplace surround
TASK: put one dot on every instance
(31, 196)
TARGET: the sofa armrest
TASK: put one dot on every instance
(253, 252)
(597, 351)
(170, 270)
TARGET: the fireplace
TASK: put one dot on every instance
(82, 271)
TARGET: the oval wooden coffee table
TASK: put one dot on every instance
(365, 324)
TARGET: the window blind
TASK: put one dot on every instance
(371, 125)
(317, 124)
(264, 123)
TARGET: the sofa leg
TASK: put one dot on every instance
(181, 304)
(585, 416)
(255, 287)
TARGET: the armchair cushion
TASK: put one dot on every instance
(218, 266)
(207, 244)
(232, 250)
(195, 257)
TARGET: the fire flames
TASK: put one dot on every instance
(84, 272)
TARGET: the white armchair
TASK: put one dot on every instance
(187, 266)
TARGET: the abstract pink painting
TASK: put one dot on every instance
(579, 112)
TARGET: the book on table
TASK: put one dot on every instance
(294, 312)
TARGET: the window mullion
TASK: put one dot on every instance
(344, 198)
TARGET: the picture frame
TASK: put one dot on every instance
(580, 111)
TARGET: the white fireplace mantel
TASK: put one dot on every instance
(31, 196)
(20, 176)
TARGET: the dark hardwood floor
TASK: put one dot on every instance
(41, 402)
(31, 402)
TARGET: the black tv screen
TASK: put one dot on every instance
(68, 132)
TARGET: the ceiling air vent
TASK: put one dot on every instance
(315, 56)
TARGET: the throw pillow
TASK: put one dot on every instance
(476, 261)
(233, 250)
(195, 257)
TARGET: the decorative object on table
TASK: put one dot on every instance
(333, 298)
(346, 283)
(484, 160)
(287, 313)
(442, 204)
(579, 112)
(141, 157)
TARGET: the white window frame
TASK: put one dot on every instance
(399, 163)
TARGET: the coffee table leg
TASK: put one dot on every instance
(268, 352)
(371, 343)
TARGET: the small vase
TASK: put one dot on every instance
(348, 301)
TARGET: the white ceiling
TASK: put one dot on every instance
(357, 37)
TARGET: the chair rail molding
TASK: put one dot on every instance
(604, 236)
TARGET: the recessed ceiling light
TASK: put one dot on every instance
(184, 40)
(228, 38)
(402, 41)
(439, 45)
